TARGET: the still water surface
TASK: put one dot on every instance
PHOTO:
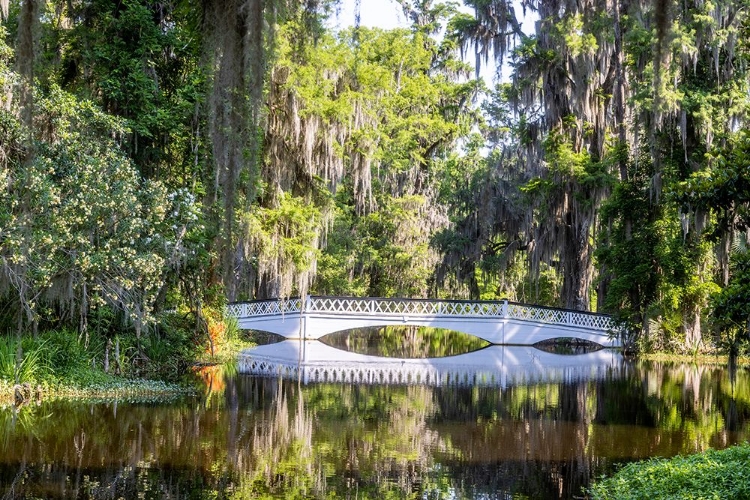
(266, 437)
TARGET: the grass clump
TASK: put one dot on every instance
(21, 362)
(708, 475)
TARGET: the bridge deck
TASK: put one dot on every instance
(499, 322)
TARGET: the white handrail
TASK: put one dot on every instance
(264, 307)
(421, 308)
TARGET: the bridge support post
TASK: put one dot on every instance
(304, 308)
(505, 317)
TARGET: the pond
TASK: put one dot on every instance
(520, 435)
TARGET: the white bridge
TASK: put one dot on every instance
(498, 322)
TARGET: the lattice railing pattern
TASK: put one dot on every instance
(264, 307)
(411, 307)
(390, 373)
(559, 316)
(400, 307)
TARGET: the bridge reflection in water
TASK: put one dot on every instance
(311, 361)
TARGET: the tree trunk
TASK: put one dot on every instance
(692, 325)
(26, 55)
(619, 94)
(577, 265)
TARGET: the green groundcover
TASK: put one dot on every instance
(711, 474)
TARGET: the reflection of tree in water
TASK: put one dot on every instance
(529, 439)
(699, 402)
(279, 451)
(518, 440)
(569, 346)
(267, 437)
(323, 438)
(406, 341)
(370, 438)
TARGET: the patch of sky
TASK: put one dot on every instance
(388, 14)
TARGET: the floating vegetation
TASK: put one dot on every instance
(130, 390)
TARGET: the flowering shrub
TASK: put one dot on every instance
(81, 228)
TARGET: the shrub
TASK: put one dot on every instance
(711, 474)
(68, 354)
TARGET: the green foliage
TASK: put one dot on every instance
(658, 277)
(340, 270)
(571, 29)
(24, 361)
(81, 227)
(362, 167)
(731, 306)
(396, 95)
(722, 189)
(60, 356)
(139, 61)
(285, 238)
(631, 252)
(711, 474)
(69, 357)
(66, 357)
(163, 355)
(387, 251)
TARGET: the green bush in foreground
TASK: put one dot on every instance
(711, 474)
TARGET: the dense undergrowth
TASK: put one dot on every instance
(711, 474)
(66, 363)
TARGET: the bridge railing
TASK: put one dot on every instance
(400, 307)
(567, 317)
(422, 307)
(265, 307)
